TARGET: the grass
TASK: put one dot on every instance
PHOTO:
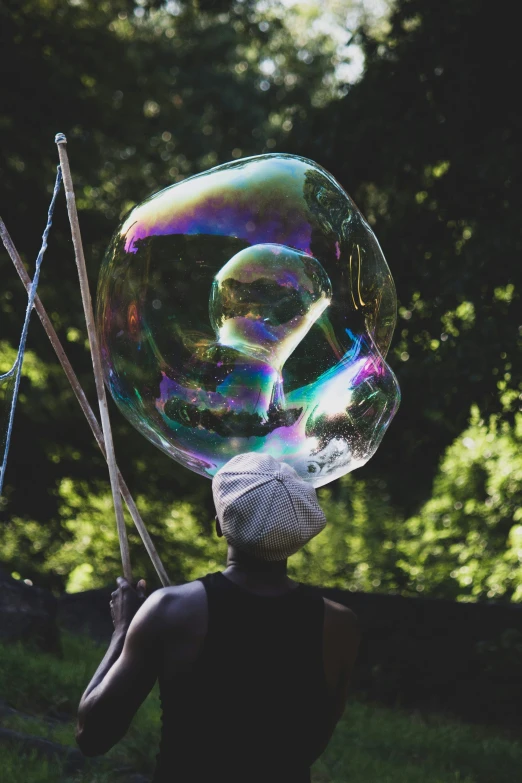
(26, 769)
(371, 744)
(380, 745)
(47, 689)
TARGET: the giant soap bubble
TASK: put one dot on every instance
(250, 308)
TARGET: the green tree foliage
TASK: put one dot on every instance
(358, 548)
(147, 94)
(466, 542)
(90, 557)
(428, 142)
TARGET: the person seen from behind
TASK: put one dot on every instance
(254, 668)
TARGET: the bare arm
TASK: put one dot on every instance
(124, 678)
(341, 644)
(349, 636)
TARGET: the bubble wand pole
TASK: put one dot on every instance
(61, 142)
(84, 403)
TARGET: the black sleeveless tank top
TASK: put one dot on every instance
(254, 706)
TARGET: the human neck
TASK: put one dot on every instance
(251, 572)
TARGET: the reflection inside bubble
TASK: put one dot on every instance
(250, 309)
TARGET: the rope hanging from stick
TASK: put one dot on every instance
(84, 403)
(118, 485)
(12, 377)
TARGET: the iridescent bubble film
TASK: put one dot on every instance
(250, 308)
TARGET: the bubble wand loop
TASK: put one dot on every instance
(61, 142)
(84, 404)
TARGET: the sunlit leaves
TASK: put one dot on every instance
(477, 496)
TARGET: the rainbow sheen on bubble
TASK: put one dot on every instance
(250, 308)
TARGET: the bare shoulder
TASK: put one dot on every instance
(179, 599)
(340, 619)
(341, 638)
(339, 612)
(174, 607)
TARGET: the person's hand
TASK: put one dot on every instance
(125, 602)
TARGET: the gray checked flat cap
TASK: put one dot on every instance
(264, 508)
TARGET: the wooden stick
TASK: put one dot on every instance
(61, 142)
(84, 403)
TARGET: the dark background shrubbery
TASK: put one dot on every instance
(427, 141)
